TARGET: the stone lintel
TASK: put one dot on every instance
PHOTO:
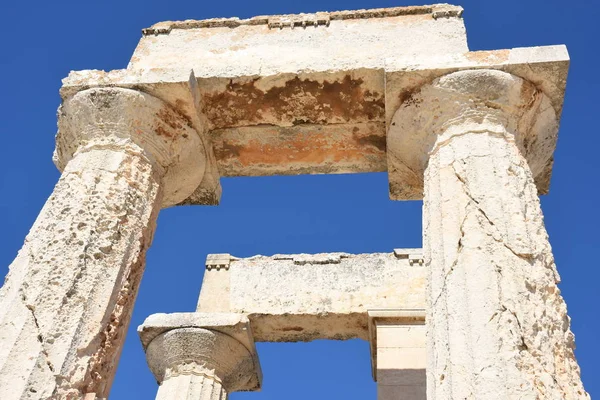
(265, 141)
(391, 317)
(278, 100)
(302, 297)
(328, 41)
(235, 325)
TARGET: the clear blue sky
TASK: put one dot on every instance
(42, 40)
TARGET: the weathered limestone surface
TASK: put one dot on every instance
(313, 93)
(497, 324)
(281, 95)
(279, 44)
(200, 356)
(398, 359)
(117, 118)
(68, 298)
(331, 121)
(302, 297)
(190, 382)
(546, 67)
(360, 91)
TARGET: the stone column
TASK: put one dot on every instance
(198, 356)
(497, 324)
(67, 300)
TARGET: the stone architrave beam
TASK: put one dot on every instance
(309, 93)
(201, 356)
(281, 95)
(302, 297)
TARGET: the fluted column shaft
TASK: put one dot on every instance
(497, 324)
(195, 363)
(67, 301)
(499, 328)
(192, 384)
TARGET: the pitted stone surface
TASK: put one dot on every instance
(303, 297)
(272, 100)
(201, 355)
(532, 115)
(321, 122)
(117, 118)
(351, 39)
(199, 351)
(68, 298)
(66, 303)
(497, 324)
(359, 91)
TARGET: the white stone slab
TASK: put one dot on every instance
(272, 45)
(304, 297)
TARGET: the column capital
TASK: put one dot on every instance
(218, 346)
(484, 101)
(128, 120)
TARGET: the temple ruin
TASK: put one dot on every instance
(475, 314)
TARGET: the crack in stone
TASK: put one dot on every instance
(455, 262)
(527, 257)
(470, 196)
(40, 337)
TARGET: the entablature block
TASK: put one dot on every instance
(302, 297)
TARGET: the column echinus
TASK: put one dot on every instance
(201, 356)
(67, 301)
(497, 325)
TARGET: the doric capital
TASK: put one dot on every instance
(128, 120)
(198, 351)
(215, 345)
(470, 101)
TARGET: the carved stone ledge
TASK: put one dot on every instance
(414, 256)
(219, 261)
(314, 19)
